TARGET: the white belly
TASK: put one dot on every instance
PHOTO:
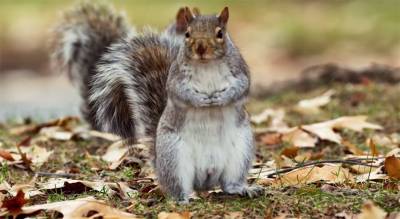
(208, 139)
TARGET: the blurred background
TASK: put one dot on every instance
(277, 38)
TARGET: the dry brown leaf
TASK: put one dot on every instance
(395, 152)
(391, 141)
(78, 186)
(392, 167)
(35, 128)
(299, 138)
(33, 155)
(28, 189)
(104, 135)
(325, 130)
(81, 208)
(283, 161)
(306, 175)
(56, 133)
(274, 119)
(271, 139)
(290, 152)
(376, 174)
(14, 204)
(174, 215)
(372, 146)
(234, 215)
(6, 155)
(281, 216)
(352, 148)
(115, 154)
(371, 211)
(312, 106)
(362, 169)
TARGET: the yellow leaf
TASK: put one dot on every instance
(371, 211)
(306, 175)
(174, 215)
(352, 148)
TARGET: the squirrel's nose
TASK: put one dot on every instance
(201, 49)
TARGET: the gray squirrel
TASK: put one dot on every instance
(184, 88)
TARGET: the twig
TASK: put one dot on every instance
(352, 161)
(61, 175)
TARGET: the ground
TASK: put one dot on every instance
(378, 101)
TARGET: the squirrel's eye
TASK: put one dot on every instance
(187, 34)
(220, 34)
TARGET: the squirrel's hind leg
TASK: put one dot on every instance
(175, 171)
(234, 177)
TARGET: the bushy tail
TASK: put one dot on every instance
(79, 41)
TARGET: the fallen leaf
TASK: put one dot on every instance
(306, 175)
(376, 174)
(25, 142)
(361, 169)
(32, 155)
(56, 133)
(290, 152)
(312, 106)
(271, 139)
(274, 119)
(71, 186)
(234, 215)
(174, 215)
(35, 128)
(6, 155)
(395, 152)
(14, 204)
(80, 208)
(392, 167)
(115, 154)
(372, 146)
(299, 138)
(282, 162)
(104, 135)
(325, 130)
(352, 148)
(371, 211)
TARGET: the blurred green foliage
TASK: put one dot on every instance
(300, 27)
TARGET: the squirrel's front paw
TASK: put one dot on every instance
(221, 97)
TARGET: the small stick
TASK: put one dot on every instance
(354, 162)
(61, 175)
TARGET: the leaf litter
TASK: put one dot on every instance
(299, 161)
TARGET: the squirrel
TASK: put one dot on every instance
(184, 88)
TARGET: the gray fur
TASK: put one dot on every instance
(192, 107)
(79, 41)
(151, 85)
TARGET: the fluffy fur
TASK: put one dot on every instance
(187, 93)
(78, 42)
(121, 75)
(205, 125)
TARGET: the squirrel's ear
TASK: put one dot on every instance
(224, 16)
(181, 23)
(196, 11)
(189, 15)
(183, 18)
